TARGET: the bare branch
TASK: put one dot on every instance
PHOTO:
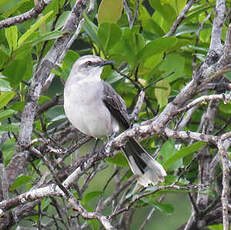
(191, 135)
(227, 46)
(225, 179)
(53, 190)
(33, 13)
(180, 18)
(139, 103)
(224, 97)
(160, 188)
(218, 22)
(147, 219)
(61, 57)
(186, 118)
(128, 12)
(194, 64)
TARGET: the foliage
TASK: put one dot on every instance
(145, 59)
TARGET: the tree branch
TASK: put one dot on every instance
(33, 13)
(225, 178)
(53, 190)
(224, 97)
(218, 22)
(180, 18)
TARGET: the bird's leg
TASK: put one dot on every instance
(109, 138)
(94, 147)
(112, 136)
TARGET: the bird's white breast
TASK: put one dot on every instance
(85, 109)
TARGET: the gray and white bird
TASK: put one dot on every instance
(94, 108)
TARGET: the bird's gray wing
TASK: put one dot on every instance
(148, 170)
(116, 105)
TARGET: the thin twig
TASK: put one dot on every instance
(139, 103)
(160, 188)
(224, 97)
(180, 18)
(128, 12)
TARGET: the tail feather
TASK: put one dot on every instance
(142, 164)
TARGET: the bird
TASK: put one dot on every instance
(96, 109)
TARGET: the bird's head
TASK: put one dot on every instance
(89, 66)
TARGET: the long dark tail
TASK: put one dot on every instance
(142, 164)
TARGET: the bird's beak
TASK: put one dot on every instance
(107, 62)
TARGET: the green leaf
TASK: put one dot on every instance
(20, 181)
(167, 149)
(54, 5)
(197, 10)
(45, 203)
(91, 29)
(170, 179)
(174, 64)
(108, 34)
(22, 52)
(95, 225)
(62, 19)
(91, 195)
(16, 7)
(4, 2)
(162, 92)
(18, 105)
(149, 26)
(4, 85)
(164, 208)
(43, 99)
(165, 10)
(225, 108)
(216, 227)
(69, 60)
(46, 37)
(15, 71)
(228, 75)
(54, 113)
(110, 11)
(118, 159)
(14, 127)
(185, 151)
(33, 28)
(157, 46)
(6, 113)
(4, 56)
(11, 34)
(5, 97)
(179, 5)
(190, 28)
(29, 68)
(129, 46)
(149, 66)
(111, 76)
(8, 149)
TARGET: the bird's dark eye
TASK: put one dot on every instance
(88, 63)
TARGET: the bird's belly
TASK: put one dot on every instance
(90, 119)
(86, 110)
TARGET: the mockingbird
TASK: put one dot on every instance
(94, 108)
